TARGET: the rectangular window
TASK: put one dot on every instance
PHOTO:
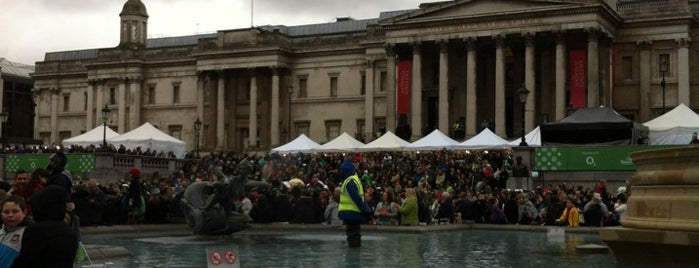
(85, 102)
(333, 84)
(362, 87)
(332, 129)
(151, 94)
(360, 130)
(384, 81)
(380, 126)
(66, 102)
(302, 127)
(303, 84)
(45, 137)
(176, 92)
(112, 96)
(62, 135)
(627, 67)
(175, 131)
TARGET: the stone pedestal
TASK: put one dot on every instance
(661, 225)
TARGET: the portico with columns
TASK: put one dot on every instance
(467, 71)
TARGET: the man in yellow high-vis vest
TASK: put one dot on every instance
(352, 205)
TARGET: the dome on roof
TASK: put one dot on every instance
(134, 7)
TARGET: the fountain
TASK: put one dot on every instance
(661, 225)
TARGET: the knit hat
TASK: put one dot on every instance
(135, 172)
(347, 168)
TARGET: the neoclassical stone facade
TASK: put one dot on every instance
(466, 60)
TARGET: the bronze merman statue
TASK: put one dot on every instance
(209, 207)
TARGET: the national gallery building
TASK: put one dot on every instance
(451, 65)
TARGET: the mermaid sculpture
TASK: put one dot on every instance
(209, 207)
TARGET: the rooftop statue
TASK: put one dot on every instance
(209, 207)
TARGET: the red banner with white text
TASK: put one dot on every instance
(404, 69)
(578, 78)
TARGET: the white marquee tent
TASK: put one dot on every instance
(149, 137)
(387, 142)
(533, 138)
(343, 143)
(433, 142)
(485, 140)
(94, 136)
(673, 127)
(302, 144)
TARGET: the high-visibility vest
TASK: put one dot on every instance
(346, 202)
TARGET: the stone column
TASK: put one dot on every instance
(444, 86)
(89, 113)
(416, 93)
(471, 97)
(644, 79)
(121, 101)
(530, 80)
(369, 100)
(220, 110)
(390, 89)
(274, 117)
(592, 67)
(500, 86)
(252, 127)
(682, 71)
(54, 114)
(135, 103)
(99, 103)
(560, 106)
(201, 82)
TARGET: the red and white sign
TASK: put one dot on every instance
(215, 258)
(230, 257)
(223, 257)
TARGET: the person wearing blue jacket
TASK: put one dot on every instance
(353, 208)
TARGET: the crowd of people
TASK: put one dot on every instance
(400, 188)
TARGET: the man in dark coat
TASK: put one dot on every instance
(50, 241)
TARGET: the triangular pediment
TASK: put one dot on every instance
(478, 8)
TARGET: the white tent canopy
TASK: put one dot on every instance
(484, 140)
(673, 127)
(387, 142)
(302, 144)
(94, 136)
(533, 138)
(148, 137)
(343, 143)
(432, 142)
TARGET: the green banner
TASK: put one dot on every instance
(80, 163)
(613, 158)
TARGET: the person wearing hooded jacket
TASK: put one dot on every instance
(353, 208)
(50, 241)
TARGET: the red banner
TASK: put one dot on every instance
(403, 85)
(578, 78)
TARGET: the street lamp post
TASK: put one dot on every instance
(105, 116)
(523, 92)
(663, 69)
(288, 121)
(4, 115)
(197, 128)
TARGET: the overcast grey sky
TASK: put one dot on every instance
(30, 28)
